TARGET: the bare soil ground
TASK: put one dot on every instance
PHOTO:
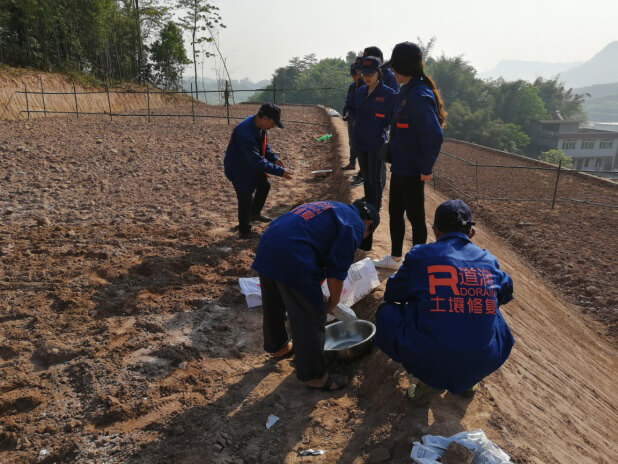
(123, 336)
(573, 246)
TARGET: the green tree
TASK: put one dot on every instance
(169, 57)
(201, 17)
(555, 156)
(557, 98)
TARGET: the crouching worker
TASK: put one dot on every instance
(300, 249)
(248, 159)
(440, 318)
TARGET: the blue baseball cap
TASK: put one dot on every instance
(272, 111)
(369, 65)
(453, 216)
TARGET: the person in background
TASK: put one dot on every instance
(441, 316)
(248, 159)
(300, 249)
(387, 75)
(373, 103)
(415, 141)
(348, 112)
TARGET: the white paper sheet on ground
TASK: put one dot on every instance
(362, 279)
(486, 452)
(250, 287)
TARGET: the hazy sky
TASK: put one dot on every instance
(263, 35)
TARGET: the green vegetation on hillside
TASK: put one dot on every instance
(303, 80)
(101, 39)
(601, 102)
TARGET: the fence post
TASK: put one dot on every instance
(109, 102)
(553, 201)
(274, 93)
(476, 180)
(43, 96)
(192, 110)
(148, 99)
(324, 101)
(227, 101)
(75, 97)
(27, 104)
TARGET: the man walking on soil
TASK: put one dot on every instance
(441, 316)
(248, 160)
(300, 249)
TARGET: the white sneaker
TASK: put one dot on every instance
(387, 262)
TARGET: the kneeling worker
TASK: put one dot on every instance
(300, 249)
(440, 318)
(248, 159)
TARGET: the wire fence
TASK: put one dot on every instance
(226, 99)
(520, 183)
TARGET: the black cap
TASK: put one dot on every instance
(373, 51)
(356, 65)
(369, 65)
(453, 216)
(367, 212)
(272, 111)
(405, 54)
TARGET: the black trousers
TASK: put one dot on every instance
(250, 204)
(373, 170)
(407, 195)
(351, 141)
(306, 321)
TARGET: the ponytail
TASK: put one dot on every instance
(438, 97)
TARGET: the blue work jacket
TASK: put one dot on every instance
(348, 110)
(389, 79)
(372, 116)
(441, 319)
(248, 156)
(416, 136)
(308, 244)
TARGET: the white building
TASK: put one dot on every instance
(590, 149)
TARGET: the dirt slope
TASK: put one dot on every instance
(123, 337)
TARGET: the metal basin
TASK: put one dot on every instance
(348, 340)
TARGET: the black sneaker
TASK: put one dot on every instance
(261, 218)
(357, 181)
(248, 235)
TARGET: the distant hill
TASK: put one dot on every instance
(602, 68)
(602, 102)
(512, 70)
(212, 84)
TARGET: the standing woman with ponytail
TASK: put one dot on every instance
(415, 141)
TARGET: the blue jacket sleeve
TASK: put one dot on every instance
(340, 255)
(249, 150)
(505, 292)
(270, 155)
(406, 282)
(424, 120)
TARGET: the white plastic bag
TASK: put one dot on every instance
(486, 452)
(361, 280)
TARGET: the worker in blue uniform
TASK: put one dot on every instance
(300, 249)
(248, 160)
(373, 104)
(349, 113)
(415, 141)
(388, 76)
(441, 316)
